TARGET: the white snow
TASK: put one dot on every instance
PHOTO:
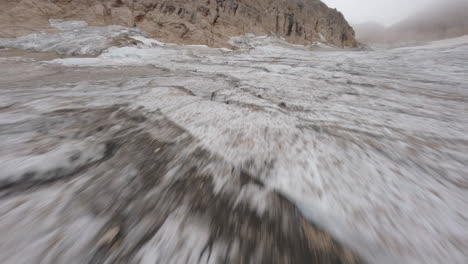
(373, 145)
(376, 138)
(67, 25)
(444, 43)
(74, 39)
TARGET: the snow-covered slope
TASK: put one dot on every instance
(74, 38)
(449, 44)
(371, 145)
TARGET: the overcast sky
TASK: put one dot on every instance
(386, 12)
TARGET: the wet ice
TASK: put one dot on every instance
(374, 141)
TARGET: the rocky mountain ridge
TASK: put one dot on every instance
(189, 22)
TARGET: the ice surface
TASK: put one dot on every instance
(74, 39)
(67, 25)
(375, 138)
(445, 43)
(372, 145)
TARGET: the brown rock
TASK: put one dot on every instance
(209, 22)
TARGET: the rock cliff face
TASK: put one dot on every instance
(209, 22)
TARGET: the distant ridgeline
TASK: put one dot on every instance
(209, 22)
(444, 20)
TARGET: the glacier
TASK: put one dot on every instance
(371, 145)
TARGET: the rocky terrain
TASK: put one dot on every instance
(207, 22)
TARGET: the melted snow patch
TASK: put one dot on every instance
(67, 25)
(444, 43)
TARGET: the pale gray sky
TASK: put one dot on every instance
(386, 12)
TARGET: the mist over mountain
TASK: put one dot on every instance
(370, 32)
(439, 21)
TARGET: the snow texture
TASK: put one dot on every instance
(373, 145)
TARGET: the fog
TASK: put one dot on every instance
(386, 12)
(397, 22)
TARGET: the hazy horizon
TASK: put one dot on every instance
(385, 12)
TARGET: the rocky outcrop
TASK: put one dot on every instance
(209, 22)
